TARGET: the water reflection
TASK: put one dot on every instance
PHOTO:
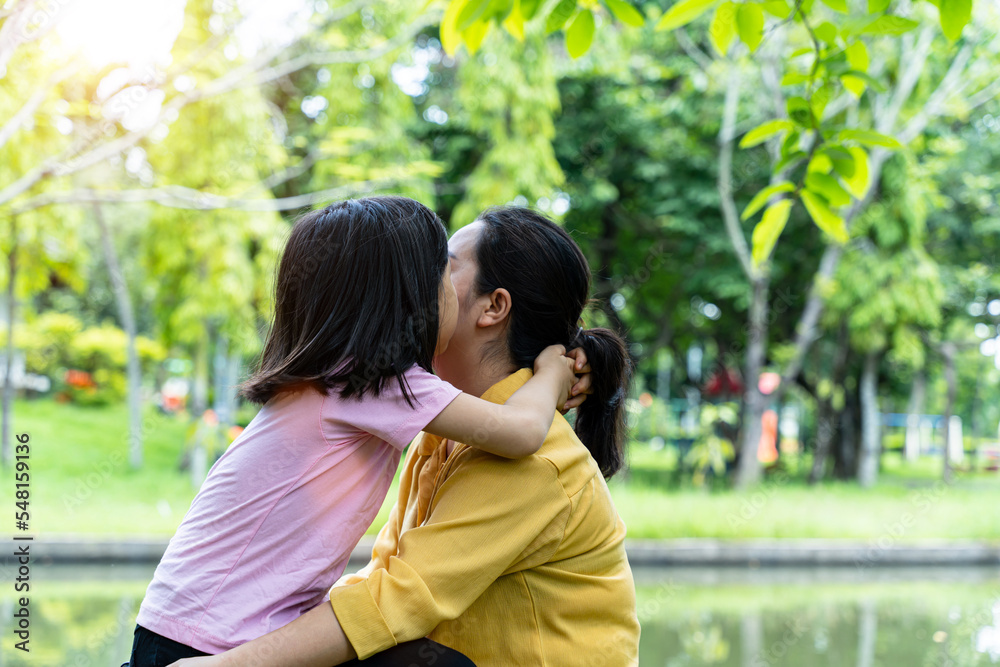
(726, 617)
(988, 638)
(819, 617)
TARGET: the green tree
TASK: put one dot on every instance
(830, 120)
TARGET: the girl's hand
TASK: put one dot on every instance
(553, 360)
(583, 386)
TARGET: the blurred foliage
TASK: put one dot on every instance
(618, 141)
(55, 343)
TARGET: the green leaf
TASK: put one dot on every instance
(559, 15)
(499, 10)
(514, 23)
(877, 6)
(799, 111)
(955, 15)
(750, 24)
(529, 8)
(877, 85)
(766, 233)
(794, 78)
(820, 162)
(852, 83)
(789, 160)
(889, 25)
(842, 159)
(825, 219)
(764, 131)
(857, 55)
(474, 35)
(820, 98)
(826, 32)
(837, 5)
(777, 8)
(828, 186)
(857, 183)
(870, 138)
(790, 144)
(626, 13)
(843, 167)
(450, 38)
(722, 31)
(683, 13)
(764, 196)
(471, 13)
(580, 33)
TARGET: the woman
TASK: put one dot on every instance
(509, 562)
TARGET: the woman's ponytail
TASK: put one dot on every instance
(601, 419)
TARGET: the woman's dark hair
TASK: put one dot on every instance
(356, 299)
(549, 282)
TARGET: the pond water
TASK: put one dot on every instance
(83, 617)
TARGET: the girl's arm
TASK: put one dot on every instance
(314, 639)
(518, 427)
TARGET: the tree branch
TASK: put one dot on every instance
(985, 95)
(227, 83)
(915, 59)
(341, 57)
(697, 55)
(725, 182)
(176, 196)
(287, 174)
(37, 97)
(950, 84)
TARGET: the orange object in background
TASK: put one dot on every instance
(173, 403)
(767, 450)
(79, 379)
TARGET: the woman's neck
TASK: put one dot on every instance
(474, 370)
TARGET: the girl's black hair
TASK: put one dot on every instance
(548, 279)
(356, 299)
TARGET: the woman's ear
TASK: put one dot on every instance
(497, 310)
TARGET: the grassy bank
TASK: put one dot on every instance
(81, 483)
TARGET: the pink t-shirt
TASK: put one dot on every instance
(275, 521)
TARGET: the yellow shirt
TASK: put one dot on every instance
(511, 562)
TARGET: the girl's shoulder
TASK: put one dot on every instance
(397, 413)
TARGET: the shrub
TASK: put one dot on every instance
(55, 343)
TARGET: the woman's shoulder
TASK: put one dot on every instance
(563, 448)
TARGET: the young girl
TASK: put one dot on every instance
(363, 302)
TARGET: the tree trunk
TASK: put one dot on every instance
(8, 382)
(948, 352)
(133, 372)
(751, 638)
(749, 470)
(867, 632)
(199, 388)
(826, 413)
(226, 370)
(914, 412)
(845, 465)
(871, 427)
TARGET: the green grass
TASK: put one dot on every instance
(81, 483)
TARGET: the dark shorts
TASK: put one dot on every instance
(152, 650)
(418, 653)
